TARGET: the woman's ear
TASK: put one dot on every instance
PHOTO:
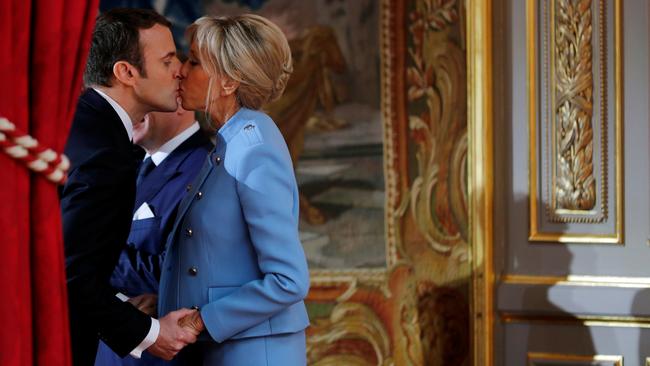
(228, 86)
(125, 73)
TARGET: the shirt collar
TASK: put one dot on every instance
(124, 117)
(171, 145)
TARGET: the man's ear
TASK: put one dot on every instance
(228, 86)
(125, 73)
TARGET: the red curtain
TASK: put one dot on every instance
(43, 44)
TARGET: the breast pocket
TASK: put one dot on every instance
(145, 235)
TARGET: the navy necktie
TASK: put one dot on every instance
(145, 168)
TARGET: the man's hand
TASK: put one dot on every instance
(172, 337)
(146, 303)
(193, 322)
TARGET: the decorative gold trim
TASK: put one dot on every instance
(577, 280)
(481, 190)
(531, 21)
(532, 356)
(535, 234)
(618, 81)
(388, 119)
(578, 320)
(570, 97)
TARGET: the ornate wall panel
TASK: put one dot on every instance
(575, 121)
(416, 310)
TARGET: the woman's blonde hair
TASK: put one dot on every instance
(246, 48)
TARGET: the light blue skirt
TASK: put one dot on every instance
(275, 350)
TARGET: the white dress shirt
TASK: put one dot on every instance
(152, 336)
(171, 145)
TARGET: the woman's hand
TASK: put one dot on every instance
(193, 322)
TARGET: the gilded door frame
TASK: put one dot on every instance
(481, 169)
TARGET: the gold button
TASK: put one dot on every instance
(217, 160)
(199, 195)
(188, 232)
(194, 307)
(193, 271)
(188, 188)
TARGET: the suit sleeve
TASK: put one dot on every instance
(269, 200)
(96, 205)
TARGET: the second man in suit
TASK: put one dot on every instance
(176, 149)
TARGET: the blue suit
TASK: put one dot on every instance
(138, 269)
(235, 253)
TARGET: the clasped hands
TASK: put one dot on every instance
(177, 329)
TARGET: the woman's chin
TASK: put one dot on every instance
(186, 105)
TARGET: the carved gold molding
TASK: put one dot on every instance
(617, 360)
(573, 179)
(481, 171)
(536, 234)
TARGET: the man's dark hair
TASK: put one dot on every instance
(116, 37)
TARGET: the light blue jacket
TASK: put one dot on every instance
(234, 251)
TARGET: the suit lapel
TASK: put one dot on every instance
(154, 182)
(168, 169)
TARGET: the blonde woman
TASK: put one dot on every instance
(234, 254)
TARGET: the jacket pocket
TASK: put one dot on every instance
(261, 329)
(217, 292)
(145, 235)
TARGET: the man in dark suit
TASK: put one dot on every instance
(132, 69)
(176, 149)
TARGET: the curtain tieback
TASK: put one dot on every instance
(26, 149)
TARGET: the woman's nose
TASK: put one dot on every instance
(183, 71)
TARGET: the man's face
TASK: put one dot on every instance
(159, 89)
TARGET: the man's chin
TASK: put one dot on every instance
(169, 107)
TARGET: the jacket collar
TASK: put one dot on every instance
(234, 124)
(91, 98)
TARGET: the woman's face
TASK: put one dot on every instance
(194, 82)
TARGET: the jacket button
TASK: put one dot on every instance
(217, 160)
(194, 307)
(193, 271)
(188, 188)
(199, 194)
(189, 232)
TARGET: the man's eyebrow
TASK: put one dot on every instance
(170, 54)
